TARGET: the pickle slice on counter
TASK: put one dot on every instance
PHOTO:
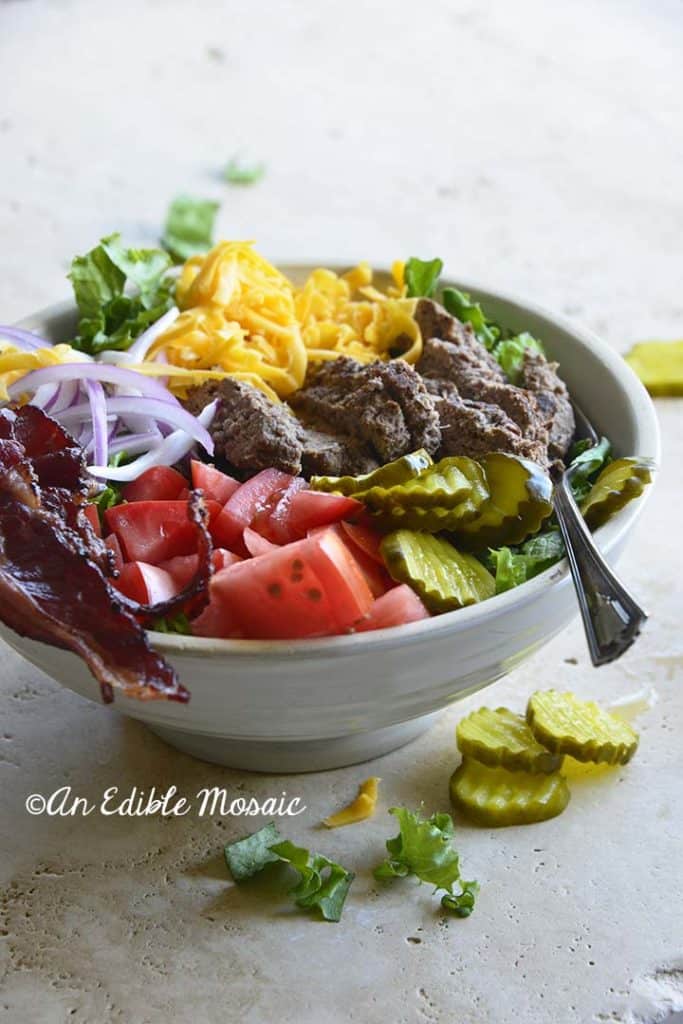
(442, 576)
(659, 364)
(496, 797)
(397, 472)
(619, 482)
(520, 499)
(566, 725)
(503, 739)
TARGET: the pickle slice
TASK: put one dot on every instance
(440, 498)
(397, 472)
(566, 725)
(619, 482)
(520, 499)
(442, 576)
(497, 797)
(659, 364)
(503, 739)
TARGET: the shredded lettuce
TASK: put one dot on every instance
(189, 227)
(248, 856)
(459, 304)
(110, 315)
(585, 462)
(510, 354)
(173, 624)
(237, 173)
(423, 848)
(515, 565)
(323, 885)
(422, 277)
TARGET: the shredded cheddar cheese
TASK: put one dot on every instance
(362, 807)
(15, 362)
(241, 317)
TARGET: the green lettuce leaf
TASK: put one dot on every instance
(173, 624)
(248, 856)
(323, 885)
(510, 354)
(143, 268)
(422, 277)
(423, 848)
(189, 227)
(237, 173)
(585, 464)
(111, 316)
(462, 903)
(459, 304)
(516, 565)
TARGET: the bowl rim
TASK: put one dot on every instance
(462, 619)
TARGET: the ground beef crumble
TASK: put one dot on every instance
(349, 418)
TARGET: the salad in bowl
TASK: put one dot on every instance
(219, 450)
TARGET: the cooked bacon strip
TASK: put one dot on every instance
(52, 583)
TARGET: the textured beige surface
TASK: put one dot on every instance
(535, 146)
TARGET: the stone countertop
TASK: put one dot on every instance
(536, 147)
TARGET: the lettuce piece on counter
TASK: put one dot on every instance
(422, 277)
(515, 565)
(111, 315)
(248, 856)
(323, 885)
(238, 173)
(189, 227)
(510, 354)
(460, 305)
(423, 848)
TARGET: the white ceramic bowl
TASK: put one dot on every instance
(314, 704)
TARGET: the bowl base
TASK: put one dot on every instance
(295, 756)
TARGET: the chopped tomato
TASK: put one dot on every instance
(310, 587)
(222, 559)
(184, 567)
(394, 608)
(212, 482)
(271, 522)
(255, 543)
(181, 569)
(112, 542)
(152, 531)
(249, 499)
(146, 584)
(159, 483)
(308, 509)
(366, 538)
(376, 576)
(340, 575)
(93, 517)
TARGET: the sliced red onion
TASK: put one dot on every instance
(67, 395)
(100, 427)
(102, 372)
(45, 396)
(175, 415)
(139, 349)
(133, 444)
(23, 339)
(166, 453)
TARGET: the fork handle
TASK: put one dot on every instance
(611, 617)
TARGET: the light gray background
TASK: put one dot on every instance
(534, 146)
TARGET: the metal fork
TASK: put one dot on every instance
(612, 619)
